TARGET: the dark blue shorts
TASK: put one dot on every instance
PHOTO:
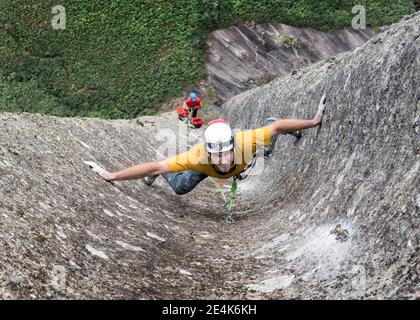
(184, 181)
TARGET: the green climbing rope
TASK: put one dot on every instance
(228, 200)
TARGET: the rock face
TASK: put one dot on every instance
(360, 170)
(240, 58)
(65, 233)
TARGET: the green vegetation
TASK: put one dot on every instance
(123, 58)
(289, 42)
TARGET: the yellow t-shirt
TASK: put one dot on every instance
(197, 158)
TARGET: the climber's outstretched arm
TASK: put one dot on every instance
(292, 125)
(140, 171)
(131, 173)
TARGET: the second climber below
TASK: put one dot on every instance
(193, 104)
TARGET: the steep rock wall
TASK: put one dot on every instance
(65, 233)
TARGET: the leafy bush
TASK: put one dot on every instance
(123, 58)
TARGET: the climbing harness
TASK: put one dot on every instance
(241, 175)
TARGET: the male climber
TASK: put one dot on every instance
(222, 155)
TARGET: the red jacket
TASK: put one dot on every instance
(190, 104)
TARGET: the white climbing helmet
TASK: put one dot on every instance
(218, 136)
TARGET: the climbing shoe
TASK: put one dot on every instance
(297, 134)
(148, 181)
(269, 151)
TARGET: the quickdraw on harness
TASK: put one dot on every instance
(248, 168)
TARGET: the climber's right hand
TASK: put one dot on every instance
(99, 170)
(320, 111)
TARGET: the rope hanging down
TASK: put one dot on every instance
(228, 200)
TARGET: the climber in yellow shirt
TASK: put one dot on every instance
(222, 155)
